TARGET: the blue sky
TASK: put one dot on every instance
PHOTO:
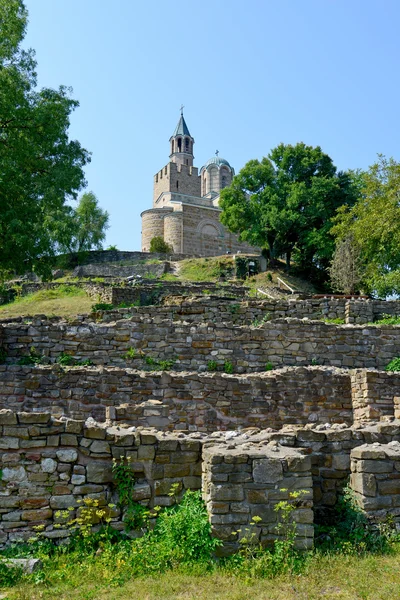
(251, 74)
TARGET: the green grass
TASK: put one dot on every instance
(63, 301)
(341, 577)
(206, 269)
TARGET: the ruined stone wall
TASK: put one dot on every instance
(375, 394)
(49, 465)
(242, 483)
(117, 270)
(281, 342)
(375, 479)
(174, 401)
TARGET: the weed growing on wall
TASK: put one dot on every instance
(135, 515)
(33, 358)
(394, 365)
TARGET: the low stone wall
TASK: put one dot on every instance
(115, 270)
(191, 347)
(375, 479)
(242, 483)
(49, 465)
(188, 401)
(106, 256)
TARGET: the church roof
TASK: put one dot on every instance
(181, 128)
(218, 161)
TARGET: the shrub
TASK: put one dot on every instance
(33, 358)
(212, 365)
(66, 360)
(394, 365)
(228, 367)
(269, 366)
(158, 244)
(101, 306)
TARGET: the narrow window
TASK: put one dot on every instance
(177, 185)
(179, 145)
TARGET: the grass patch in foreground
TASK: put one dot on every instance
(63, 301)
(206, 269)
(337, 577)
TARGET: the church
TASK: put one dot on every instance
(186, 212)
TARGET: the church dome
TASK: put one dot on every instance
(218, 161)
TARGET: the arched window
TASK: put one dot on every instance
(186, 144)
(179, 144)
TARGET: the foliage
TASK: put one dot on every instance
(159, 365)
(387, 320)
(206, 269)
(228, 367)
(374, 223)
(66, 360)
(269, 366)
(85, 226)
(285, 203)
(394, 365)
(3, 356)
(41, 168)
(212, 365)
(157, 244)
(353, 533)
(135, 515)
(9, 575)
(264, 319)
(33, 358)
(335, 321)
(102, 306)
(346, 270)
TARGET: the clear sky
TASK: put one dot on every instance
(251, 74)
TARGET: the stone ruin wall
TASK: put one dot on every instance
(283, 342)
(50, 464)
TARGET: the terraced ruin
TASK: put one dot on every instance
(246, 399)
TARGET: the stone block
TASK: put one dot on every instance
(99, 472)
(67, 455)
(363, 483)
(267, 470)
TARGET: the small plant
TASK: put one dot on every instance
(212, 365)
(135, 515)
(101, 306)
(130, 354)
(269, 276)
(264, 319)
(228, 367)
(394, 365)
(234, 308)
(33, 358)
(3, 356)
(159, 365)
(269, 366)
(66, 360)
(387, 319)
(9, 576)
(336, 321)
(314, 362)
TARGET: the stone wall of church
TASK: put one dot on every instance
(152, 225)
(177, 178)
(198, 237)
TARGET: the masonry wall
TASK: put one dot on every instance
(281, 342)
(49, 465)
(205, 402)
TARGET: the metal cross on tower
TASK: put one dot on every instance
(216, 152)
(182, 107)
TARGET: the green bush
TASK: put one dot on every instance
(212, 365)
(158, 244)
(228, 367)
(394, 365)
(66, 360)
(33, 358)
(102, 306)
(269, 366)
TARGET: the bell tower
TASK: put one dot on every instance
(181, 144)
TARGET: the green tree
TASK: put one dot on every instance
(85, 227)
(41, 169)
(285, 203)
(157, 244)
(374, 223)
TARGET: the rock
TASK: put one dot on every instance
(48, 465)
(28, 565)
(67, 455)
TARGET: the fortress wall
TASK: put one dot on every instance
(181, 401)
(281, 342)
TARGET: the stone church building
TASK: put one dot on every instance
(186, 209)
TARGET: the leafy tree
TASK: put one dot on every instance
(285, 203)
(374, 223)
(158, 244)
(40, 167)
(85, 227)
